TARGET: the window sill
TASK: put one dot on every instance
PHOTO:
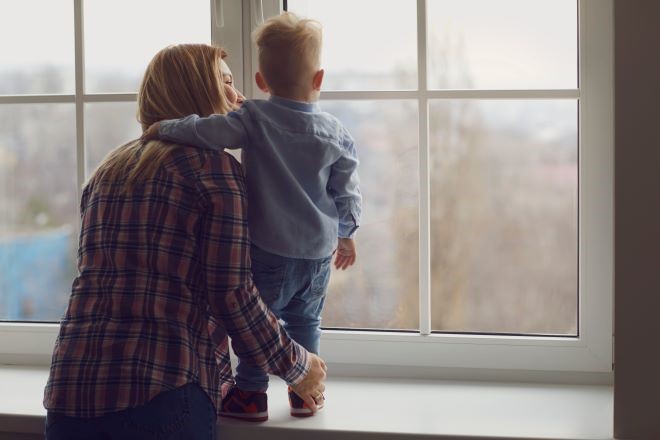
(369, 409)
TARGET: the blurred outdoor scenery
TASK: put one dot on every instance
(503, 173)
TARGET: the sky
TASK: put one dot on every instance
(499, 43)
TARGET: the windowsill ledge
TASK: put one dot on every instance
(369, 409)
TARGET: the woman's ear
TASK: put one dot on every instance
(261, 82)
(317, 80)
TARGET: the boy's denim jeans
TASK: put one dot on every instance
(182, 413)
(294, 289)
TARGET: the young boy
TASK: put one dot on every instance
(303, 191)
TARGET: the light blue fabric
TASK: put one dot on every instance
(301, 170)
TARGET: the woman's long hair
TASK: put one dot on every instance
(180, 80)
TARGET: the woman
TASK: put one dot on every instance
(164, 279)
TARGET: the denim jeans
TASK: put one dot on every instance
(182, 413)
(294, 289)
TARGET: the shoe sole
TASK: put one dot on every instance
(304, 412)
(253, 417)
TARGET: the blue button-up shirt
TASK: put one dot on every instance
(301, 171)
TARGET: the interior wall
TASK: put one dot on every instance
(637, 219)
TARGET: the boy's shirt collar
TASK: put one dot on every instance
(309, 107)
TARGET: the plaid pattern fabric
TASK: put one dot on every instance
(164, 279)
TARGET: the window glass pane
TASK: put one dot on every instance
(381, 290)
(121, 37)
(37, 49)
(504, 188)
(367, 44)
(503, 44)
(107, 126)
(38, 210)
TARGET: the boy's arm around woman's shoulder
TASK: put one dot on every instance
(213, 132)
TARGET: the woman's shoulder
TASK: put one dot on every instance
(205, 166)
(196, 159)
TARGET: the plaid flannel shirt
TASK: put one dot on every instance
(164, 279)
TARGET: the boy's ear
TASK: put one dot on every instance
(261, 82)
(317, 80)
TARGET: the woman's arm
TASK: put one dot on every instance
(256, 335)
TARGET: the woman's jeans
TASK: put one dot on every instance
(294, 289)
(182, 413)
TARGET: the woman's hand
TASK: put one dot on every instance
(151, 133)
(346, 253)
(311, 388)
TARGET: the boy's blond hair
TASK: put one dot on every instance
(289, 52)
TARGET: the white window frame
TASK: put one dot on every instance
(432, 354)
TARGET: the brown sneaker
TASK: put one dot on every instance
(251, 406)
(298, 406)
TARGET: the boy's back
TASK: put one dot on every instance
(300, 169)
(303, 158)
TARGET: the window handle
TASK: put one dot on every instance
(257, 12)
(219, 13)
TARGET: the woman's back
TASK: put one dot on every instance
(138, 317)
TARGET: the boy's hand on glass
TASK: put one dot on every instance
(346, 254)
(311, 388)
(151, 133)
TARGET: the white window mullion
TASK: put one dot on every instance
(596, 178)
(37, 99)
(451, 94)
(353, 95)
(249, 57)
(254, 11)
(504, 94)
(227, 32)
(110, 97)
(424, 178)
(78, 22)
